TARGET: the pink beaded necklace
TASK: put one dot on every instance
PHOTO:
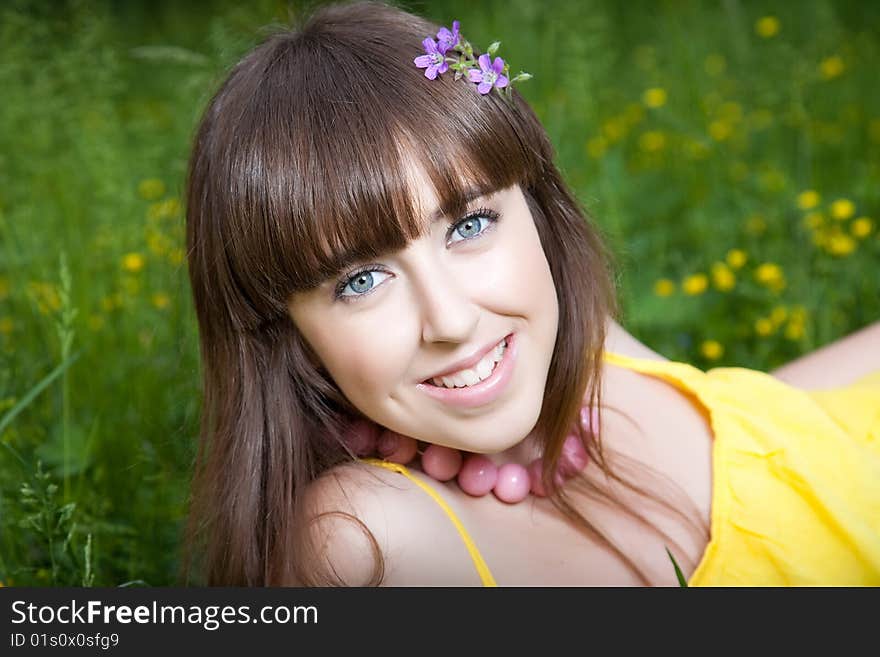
(476, 474)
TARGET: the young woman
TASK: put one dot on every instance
(414, 372)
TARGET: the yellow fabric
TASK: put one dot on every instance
(796, 478)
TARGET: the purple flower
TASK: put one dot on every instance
(434, 61)
(447, 37)
(489, 75)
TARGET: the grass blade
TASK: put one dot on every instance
(682, 582)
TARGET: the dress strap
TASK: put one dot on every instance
(481, 566)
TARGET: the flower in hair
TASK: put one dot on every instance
(434, 60)
(440, 57)
(489, 74)
(450, 38)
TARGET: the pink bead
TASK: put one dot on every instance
(396, 447)
(362, 436)
(513, 483)
(574, 457)
(537, 484)
(478, 475)
(442, 463)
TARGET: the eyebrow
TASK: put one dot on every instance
(347, 260)
(470, 194)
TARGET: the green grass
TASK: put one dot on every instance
(684, 131)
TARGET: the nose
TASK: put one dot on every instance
(448, 311)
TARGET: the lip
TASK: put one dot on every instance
(483, 392)
(465, 363)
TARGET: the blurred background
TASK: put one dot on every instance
(729, 150)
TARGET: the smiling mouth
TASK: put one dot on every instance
(474, 375)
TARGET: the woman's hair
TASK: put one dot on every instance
(298, 161)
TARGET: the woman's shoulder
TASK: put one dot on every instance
(374, 526)
(619, 341)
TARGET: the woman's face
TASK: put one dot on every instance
(447, 297)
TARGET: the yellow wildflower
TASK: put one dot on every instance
(112, 301)
(711, 349)
(715, 64)
(596, 147)
(696, 150)
(614, 129)
(158, 243)
(814, 220)
(764, 326)
(664, 287)
(133, 262)
(862, 227)
(808, 199)
(736, 258)
(796, 323)
(771, 276)
(654, 97)
(831, 67)
(756, 225)
(794, 331)
(767, 26)
(652, 141)
(5, 325)
(166, 209)
(176, 256)
(161, 300)
(840, 244)
(778, 315)
(820, 237)
(842, 209)
(773, 180)
(722, 278)
(720, 130)
(45, 295)
(151, 188)
(695, 284)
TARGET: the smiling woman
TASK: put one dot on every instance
(385, 259)
(435, 308)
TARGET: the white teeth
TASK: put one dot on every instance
(470, 377)
(485, 368)
(477, 373)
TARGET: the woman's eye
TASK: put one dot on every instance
(473, 225)
(361, 283)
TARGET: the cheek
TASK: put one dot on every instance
(364, 360)
(517, 276)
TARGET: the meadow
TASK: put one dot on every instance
(730, 152)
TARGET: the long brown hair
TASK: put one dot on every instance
(297, 160)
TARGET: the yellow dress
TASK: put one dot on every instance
(796, 478)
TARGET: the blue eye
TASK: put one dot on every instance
(363, 281)
(472, 225)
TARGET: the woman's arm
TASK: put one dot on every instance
(837, 364)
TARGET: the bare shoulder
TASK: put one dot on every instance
(619, 341)
(372, 526)
(837, 364)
